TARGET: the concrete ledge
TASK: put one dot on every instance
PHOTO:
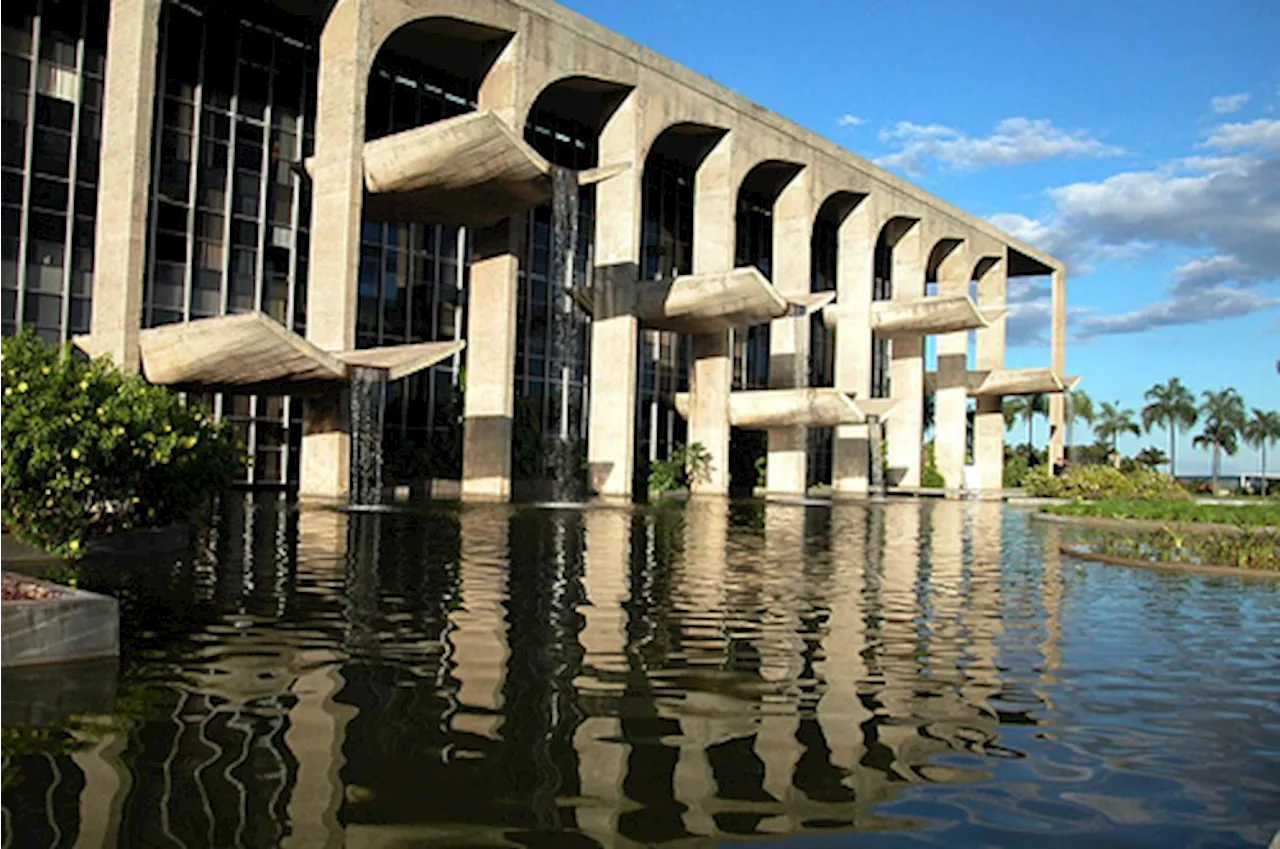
(1193, 568)
(73, 626)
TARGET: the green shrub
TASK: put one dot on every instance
(1093, 482)
(931, 477)
(686, 465)
(1177, 510)
(89, 451)
(1015, 471)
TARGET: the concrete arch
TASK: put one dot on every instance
(576, 100)
(686, 141)
(941, 256)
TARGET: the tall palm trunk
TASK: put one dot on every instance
(1030, 422)
(1216, 461)
(1173, 450)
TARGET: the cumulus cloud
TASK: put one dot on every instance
(1224, 207)
(1014, 141)
(1225, 104)
(850, 120)
(1263, 134)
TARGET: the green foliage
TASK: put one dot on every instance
(1098, 482)
(1258, 549)
(762, 470)
(1015, 471)
(1112, 421)
(1150, 457)
(1172, 511)
(686, 465)
(931, 477)
(89, 451)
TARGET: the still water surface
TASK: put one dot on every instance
(882, 675)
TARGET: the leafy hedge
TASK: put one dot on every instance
(89, 451)
(1175, 511)
(1096, 482)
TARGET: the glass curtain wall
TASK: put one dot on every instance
(666, 252)
(53, 63)
(822, 343)
(754, 246)
(412, 286)
(881, 290)
(229, 210)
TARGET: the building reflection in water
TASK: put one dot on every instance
(504, 675)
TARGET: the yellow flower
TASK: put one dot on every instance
(75, 453)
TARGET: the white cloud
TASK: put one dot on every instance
(1225, 104)
(1014, 141)
(850, 120)
(1226, 208)
(1264, 134)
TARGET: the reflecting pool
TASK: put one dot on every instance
(914, 672)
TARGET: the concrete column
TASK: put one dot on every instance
(337, 198)
(951, 394)
(1058, 361)
(713, 247)
(316, 734)
(904, 430)
(478, 640)
(611, 435)
(786, 472)
(988, 425)
(850, 461)
(125, 183)
(489, 406)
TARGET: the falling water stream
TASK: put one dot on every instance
(368, 410)
(563, 464)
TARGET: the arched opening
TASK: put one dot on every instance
(413, 275)
(753, 245)
(882, 290)
(666, 251)
(552, 313)
(824, 258)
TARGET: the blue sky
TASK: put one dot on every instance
(1139, 141)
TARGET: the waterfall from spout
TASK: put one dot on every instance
(564, 465)
(368, 407)
(875, 439)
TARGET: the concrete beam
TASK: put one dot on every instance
(920, 316)
(711, 302)
(857, 241)
(125, 182)
(905, 431)
(988, 424)
(1058, 362)
(489, 402)
(471, 169)
(770, 409)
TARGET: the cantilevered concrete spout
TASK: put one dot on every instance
(471, 169)
(254, 352)
(921, 316)
(1019, 381)
(709, 303)
(772, 408)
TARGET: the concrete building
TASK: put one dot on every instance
(533, 243)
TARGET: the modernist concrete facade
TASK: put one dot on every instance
(387, 172)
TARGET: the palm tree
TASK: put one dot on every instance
(1172, 404)
(1025, 408)
(1260, 431)
(1151, 457)
(1112, 420)
(1223, 415)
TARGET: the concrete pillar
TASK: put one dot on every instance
(489, 405)
(988, 424)
(316, 734)
(1058, 361)
(786, 472)
(904, 430)
(124, 183)
(106, 787)
(611, 435)
(951, 395)
(478, 642)
(337, 198)
(850, 461)
(713, 248)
